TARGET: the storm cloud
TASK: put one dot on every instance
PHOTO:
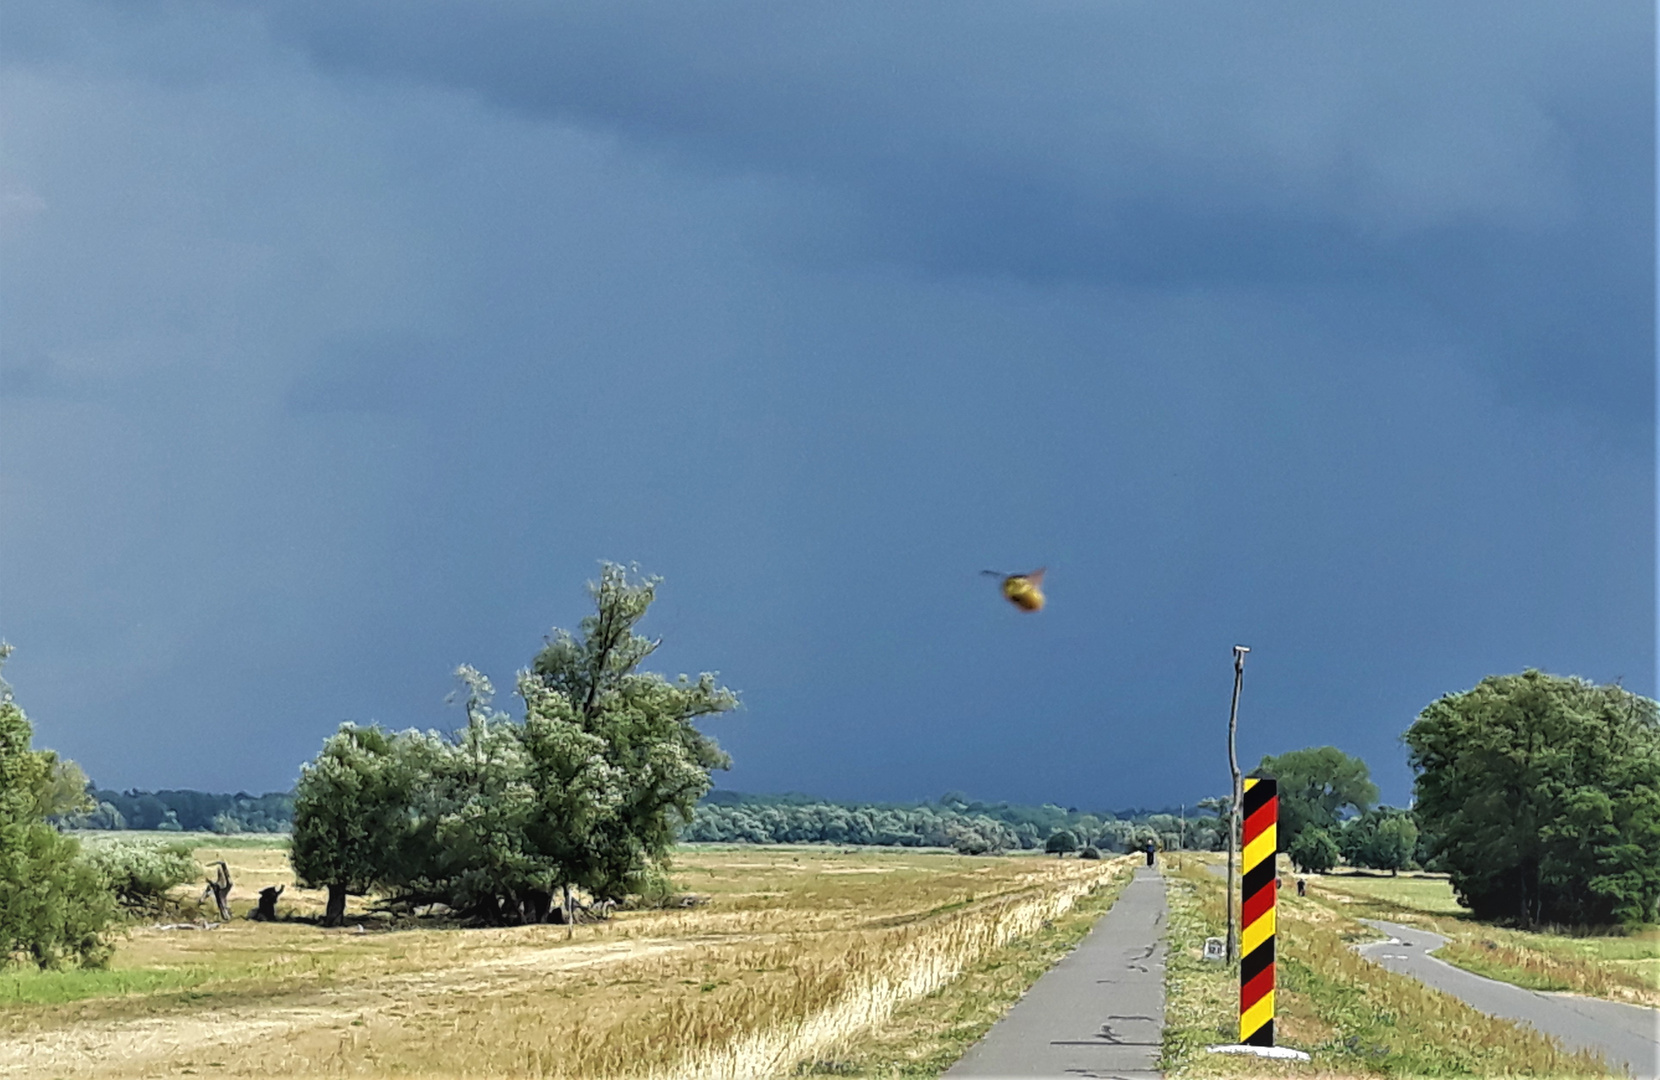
(342, 339)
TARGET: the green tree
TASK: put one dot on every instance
(1382, 839)
(655, 759)
(1393, 845)
(499, 818)
(1315, 786)
(1060, 842)
(54, 907)
(1314, 851)
(1542, 795)
(352, 810)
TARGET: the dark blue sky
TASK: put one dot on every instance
(341, 340)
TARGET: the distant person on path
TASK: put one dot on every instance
(1150, 849)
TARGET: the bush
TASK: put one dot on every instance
(653, 889)
(1090, 852)
(140, 874)
(54, 908)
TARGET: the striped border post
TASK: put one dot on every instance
(1258, 891)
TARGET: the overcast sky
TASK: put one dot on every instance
(342, 339)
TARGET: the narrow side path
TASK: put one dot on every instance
(1622, 1033)
(1097, 1013)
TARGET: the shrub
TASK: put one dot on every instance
(1090, 852)
(140, 873)
(653, 889)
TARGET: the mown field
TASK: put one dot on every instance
(874, 962)
(1355, 1018)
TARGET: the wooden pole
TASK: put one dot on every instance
(1239, 652)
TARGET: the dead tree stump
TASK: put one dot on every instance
(220, 887)
(267, 910)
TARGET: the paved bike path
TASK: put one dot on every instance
(1097, 1013)
(1622, 1033)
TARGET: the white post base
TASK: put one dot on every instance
(1284, 1053)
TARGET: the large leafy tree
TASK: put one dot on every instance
(1316, 786)
(1542, 798)
(352, 814)
(54, 906)
(647, 762)
(502, 817)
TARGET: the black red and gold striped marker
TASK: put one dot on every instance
(1258, 892)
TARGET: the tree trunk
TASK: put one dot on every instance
(567, 905)
(267, 910)
(220, 887)
(335, 913)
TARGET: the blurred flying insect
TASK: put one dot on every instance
(1024, 591)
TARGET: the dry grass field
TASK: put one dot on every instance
(798, 955)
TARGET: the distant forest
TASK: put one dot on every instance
(953, 821)
(187, 811)
(733, 817)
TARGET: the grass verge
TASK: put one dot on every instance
(1353, 1017)
(927, 1036)
(1618, 964)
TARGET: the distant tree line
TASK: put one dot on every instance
(184, 810)
(954, 821)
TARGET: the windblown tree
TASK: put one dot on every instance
(645, 764)
(1541, 796)
(1316, 786)
(502, 818)
(54, 906)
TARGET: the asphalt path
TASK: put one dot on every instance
(1621, 1033)
(1097, 1013)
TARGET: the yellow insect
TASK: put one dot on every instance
(1024, 591)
